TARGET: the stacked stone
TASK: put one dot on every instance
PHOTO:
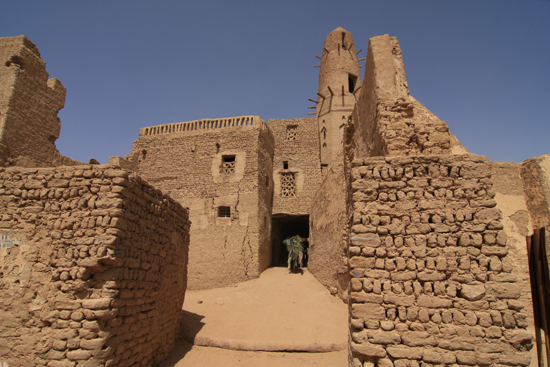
(408, 128)
(99, 276)
(430, 280)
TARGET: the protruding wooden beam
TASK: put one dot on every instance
(320, 95)
(311, 113)
(312, 100)
(318, 57)
(359, 51)
(312, 107)
(316, 66)
(324, 48)
(330, 90)
(361, 59)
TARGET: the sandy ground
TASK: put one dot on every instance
(278, 311)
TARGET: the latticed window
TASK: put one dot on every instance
(228, 164)
(288, 184)
(291, 132)
(224, 211)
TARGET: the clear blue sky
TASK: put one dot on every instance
(481, 66)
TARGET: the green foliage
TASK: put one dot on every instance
(296, 251)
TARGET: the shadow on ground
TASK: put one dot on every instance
(191, 324)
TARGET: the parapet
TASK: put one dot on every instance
(202, 124)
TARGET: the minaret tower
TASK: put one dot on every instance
(339, 81)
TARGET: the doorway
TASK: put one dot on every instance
(284, 226)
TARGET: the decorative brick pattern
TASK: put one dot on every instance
(288, 184)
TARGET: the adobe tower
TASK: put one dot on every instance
(339, 80)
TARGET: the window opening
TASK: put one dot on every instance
(288, 184)
(224, 212)
(352, 81)
(285, 164)
(291, 132)
(228, 164)
(267, 181)
(344, 40)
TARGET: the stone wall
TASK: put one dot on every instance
(93, 268)
(29, 103)
(230, 210)
(433, 282)
(297, 144)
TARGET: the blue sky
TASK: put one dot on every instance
(481, 66)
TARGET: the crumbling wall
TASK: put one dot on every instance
(535, 173)
(297, 144)
(328, 240)
(433, 277)
(29, 103)
(186, 160)
(387, 120)
(93, 268)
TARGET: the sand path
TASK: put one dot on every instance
(280, 319)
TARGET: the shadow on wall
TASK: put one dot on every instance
(191, 324)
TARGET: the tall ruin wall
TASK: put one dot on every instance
(387, 120)
(93, 268)
(221, 169)
(328, 240)
(433, 275)
(29, 103)
(296, 164)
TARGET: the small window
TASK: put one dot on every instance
(267, 181)
(352, 81)
(285, 164)
(224, 212)
(228, 164)
(288, 184)
(291, 132)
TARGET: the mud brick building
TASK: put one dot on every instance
(439, 253)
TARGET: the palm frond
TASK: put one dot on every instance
(296, 251)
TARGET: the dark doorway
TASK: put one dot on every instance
(285, 226)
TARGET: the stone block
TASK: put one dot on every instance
(382, 337)
(472, 292)
(434, 302)
(368, 350)
(418, 339)
(368, 311)
(504, 290)
(399, 300)
(402, 351)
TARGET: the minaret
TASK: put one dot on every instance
(339, 80)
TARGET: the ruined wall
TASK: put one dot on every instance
(433, 275)
(328, 240)
(29, 103)
(387, 120)
(297, 143)
(93, 268)
(511, 200)
(186, 160)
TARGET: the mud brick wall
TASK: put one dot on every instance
(29, 103)
(93, 268)
(431, 279)
(302, 157)
(329, 229)
(184, 160)
(388, 121)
